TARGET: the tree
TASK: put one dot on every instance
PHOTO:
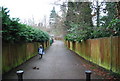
(118, 10)
(78, 20)
(79, 12)
(110, 7)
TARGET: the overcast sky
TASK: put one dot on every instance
(25, 9)
(28, 9)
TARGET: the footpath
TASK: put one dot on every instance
(58, 63)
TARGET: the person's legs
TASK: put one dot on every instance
(41, 55)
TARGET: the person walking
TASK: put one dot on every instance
(41, 51)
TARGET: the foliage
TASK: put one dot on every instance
(82, 30)
(78, 21)
(110, 7)
(113, 29)
(13, 31)
(78, 32)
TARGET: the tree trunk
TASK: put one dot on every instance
(118, 10)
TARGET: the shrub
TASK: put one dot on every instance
(13, 31)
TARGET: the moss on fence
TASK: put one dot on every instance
(15, 54)
(104, 52)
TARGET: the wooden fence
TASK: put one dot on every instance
(104, 52)
(15, 54)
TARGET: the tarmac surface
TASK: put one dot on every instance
(58, 63)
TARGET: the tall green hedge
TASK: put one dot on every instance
(13, 31)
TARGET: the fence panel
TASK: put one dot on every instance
(114, 51)
(118, 69)
(102, 51)
(88, 50)
(105, 53)
(77, 47)
(15, 54)
(71, 45)
(95, 51)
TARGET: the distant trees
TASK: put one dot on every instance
(79, 12)
(56, 21)
(13, 31)
(110, 7)
(79, 23)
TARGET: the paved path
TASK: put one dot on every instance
(58, 63)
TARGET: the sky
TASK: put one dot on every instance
(29, 9)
